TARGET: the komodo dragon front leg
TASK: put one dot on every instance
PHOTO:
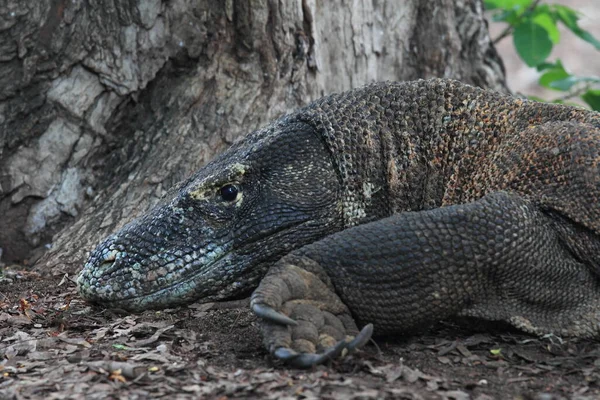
(499, 258)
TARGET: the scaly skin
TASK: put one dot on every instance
(397, 204)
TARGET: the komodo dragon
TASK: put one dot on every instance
(391, 206)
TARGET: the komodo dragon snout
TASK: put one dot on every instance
(226, 225)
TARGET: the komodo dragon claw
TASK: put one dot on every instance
(304, 322)
(303, 360)
(268, 314)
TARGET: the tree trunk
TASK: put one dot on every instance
(105, 104)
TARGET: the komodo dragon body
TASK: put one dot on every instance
(395, 205)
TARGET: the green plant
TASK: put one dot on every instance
(534, 27)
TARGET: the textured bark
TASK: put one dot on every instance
(104, 105)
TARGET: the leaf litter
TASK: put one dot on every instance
(55, 346)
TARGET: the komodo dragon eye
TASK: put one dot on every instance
(229, 192)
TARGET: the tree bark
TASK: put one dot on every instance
(106, 104)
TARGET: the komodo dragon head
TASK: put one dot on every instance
(270, 193)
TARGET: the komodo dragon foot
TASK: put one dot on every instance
(304, 323)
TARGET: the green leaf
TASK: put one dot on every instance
(547, 22)
(553, 72)
(495, 351)
(588, 37)
(592, 97)
(564, 84)
(121, 347)
(569, 17)
(532, 42)
(549, 78)
(570, 81)
(511, 17)
(548, 65)
(505, 4)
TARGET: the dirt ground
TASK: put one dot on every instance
(54, 346)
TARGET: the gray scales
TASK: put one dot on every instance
(388, 207)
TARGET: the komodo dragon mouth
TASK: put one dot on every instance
(114, 278)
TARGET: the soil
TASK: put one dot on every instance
(55, 346)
